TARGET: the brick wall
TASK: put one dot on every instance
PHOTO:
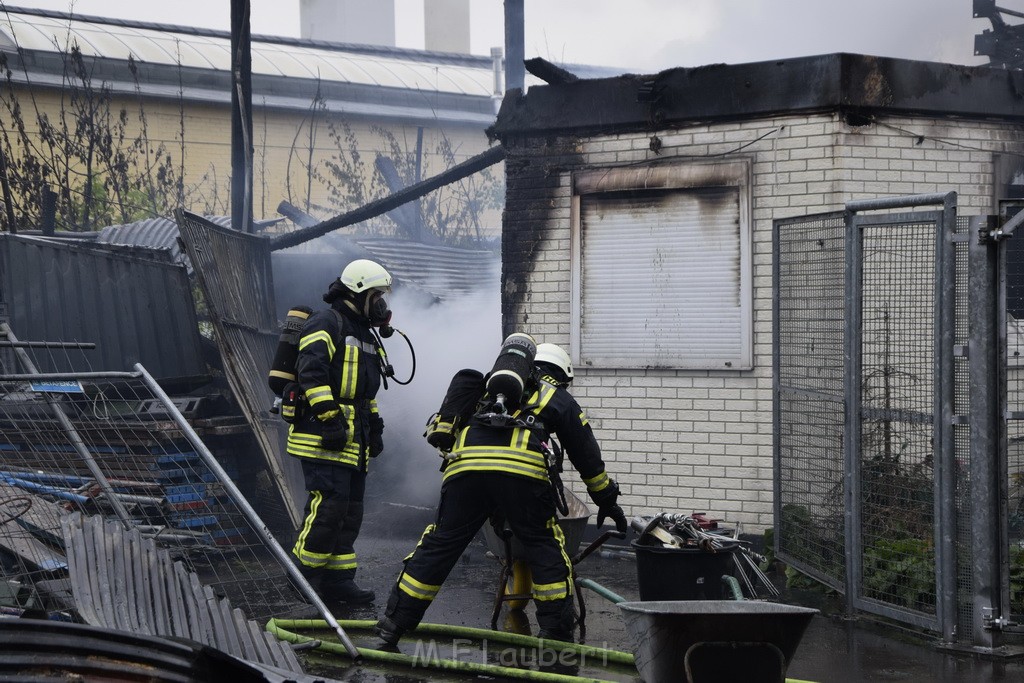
(702, 440)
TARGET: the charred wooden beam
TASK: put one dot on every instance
(550, 73)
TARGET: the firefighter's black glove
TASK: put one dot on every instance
(607, 507)
(376, 442)
(335, 434)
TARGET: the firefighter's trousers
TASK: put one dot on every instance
(333, 516)
(467, 501)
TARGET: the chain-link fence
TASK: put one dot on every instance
(113, 444)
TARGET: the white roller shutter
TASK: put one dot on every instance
(663, 278)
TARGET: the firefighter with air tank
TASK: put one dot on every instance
(330, 400)
(496, 432)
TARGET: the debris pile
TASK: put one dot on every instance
(697, 532)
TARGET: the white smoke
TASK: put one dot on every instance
(463, 332)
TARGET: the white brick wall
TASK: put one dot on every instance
(702, 440)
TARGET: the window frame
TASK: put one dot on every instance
(681, 175)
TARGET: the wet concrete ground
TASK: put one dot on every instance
(832, 649)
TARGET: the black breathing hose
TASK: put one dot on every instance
(386, 369)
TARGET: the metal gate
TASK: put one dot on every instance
(866, 473)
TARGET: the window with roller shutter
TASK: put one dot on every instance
(661, 273)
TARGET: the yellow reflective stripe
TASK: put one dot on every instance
(347, 561)
(349, 372)
(430, 527)
(550, 591)
(346, 457)
(583, 418)
(598, 483)
(305, 557)
(520, 438)
(520, 455)
(318, 336)
(373, 406)
(295, 313)
(556, 531)
(366, 347)
(493, 465)
(319, 394)
(417, 589)
(282, 375)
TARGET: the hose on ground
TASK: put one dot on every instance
(279, 627)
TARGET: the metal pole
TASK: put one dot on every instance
(70, 431)
(250, 514)
(853, 284)
(241, 118)
(983, 358)
(945, 320)
(515, 45)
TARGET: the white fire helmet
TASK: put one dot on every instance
(556, 355)
(363, 274)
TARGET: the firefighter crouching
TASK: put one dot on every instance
(498, 467)
(337, 428)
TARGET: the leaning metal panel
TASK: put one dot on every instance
(113, 444)
(235, 274)
(808, 388)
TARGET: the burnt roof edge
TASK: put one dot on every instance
(721, 92)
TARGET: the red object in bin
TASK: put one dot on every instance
(703, 522)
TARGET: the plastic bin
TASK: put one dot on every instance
(681, 573)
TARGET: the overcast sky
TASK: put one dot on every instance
(640, 35)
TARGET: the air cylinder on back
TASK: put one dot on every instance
(512, 369)
(282, 370)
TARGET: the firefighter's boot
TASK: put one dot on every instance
(388, 631)
(555, 619)
(339, 586)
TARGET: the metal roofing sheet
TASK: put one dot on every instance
(150, 45)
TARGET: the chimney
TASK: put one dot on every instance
(446, 25)
(348, 21)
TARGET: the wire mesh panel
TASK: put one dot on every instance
(1014, 359)
(112, 444)
(965, 513)
(895, 503)
(809, 321)
(235, 275)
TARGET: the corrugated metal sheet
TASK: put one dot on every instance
(441, 271)
(124, 582)
(161, 233)
(135, 304)
(192, 50)
(234, 272)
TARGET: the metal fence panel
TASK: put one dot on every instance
(107, 444)
(235, 274)
(808, 386)
(872, 449)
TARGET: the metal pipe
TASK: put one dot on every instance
(250, 514)
(69, 430)
(897, 202)
(48, 345)
(63, 376)
(601, 590)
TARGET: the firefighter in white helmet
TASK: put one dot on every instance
(501, 469)
(339, 427)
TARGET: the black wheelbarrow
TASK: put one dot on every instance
(703, 641)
